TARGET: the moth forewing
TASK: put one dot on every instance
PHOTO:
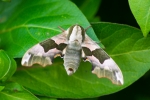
(37, 55)
(44, 52)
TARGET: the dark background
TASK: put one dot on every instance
(116, 11)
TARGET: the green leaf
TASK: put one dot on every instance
(14, 91)
(89, 8)
(124, 44)
(141, 12)
(7, 66)
(28, 22)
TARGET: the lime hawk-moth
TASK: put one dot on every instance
(72, 45)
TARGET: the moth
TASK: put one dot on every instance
(73, 45)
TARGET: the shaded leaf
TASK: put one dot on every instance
(124, 44)
(141, 12)
(7, 66)
(14, 91)
(142, 97)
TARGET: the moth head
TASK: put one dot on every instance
(70, 68)
(76, 33)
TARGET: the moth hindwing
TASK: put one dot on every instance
(74, 44)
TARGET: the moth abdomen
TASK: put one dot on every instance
(72, 58)
(71, 64)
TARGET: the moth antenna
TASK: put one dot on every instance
(87, 28)
(61, 29)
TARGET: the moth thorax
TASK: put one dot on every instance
(76, 33)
